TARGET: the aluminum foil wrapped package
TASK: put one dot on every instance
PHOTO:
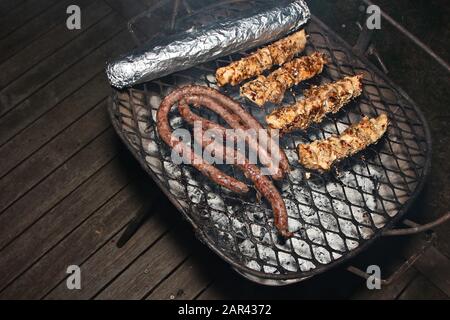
(194, 40)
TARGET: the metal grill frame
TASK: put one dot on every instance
(200, 232)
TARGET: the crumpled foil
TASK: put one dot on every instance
(186, 49)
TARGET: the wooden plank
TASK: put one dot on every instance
(53, 122)
(56, 152)
(35, 52)
(213, 292)
(187, 281)
(126, 8)
(109, 262)
(44, 72)
(37, 27)
(422, 289)
(57, 186)
(436, 268)
(150, 268)
(77, 245)
(21, 15)
(62, 86)
(8, 5)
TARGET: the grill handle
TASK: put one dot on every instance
(365, 47)
(415, 228)
(400, 270)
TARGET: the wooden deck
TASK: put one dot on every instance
(68, 187)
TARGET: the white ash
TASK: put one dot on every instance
(301, 194)
(258, 231)
(176, 188)
(269, 269)
(294, 225)
(335, 241)
(341, 209)
(252, 264)
(267, 255)
(366, 233)
(220, 220)
(172, 170)
(150, 147)
(291, 155)
(154, 163)
(154, 111)
(348, 228)
(248, 249)
(211, 78)
(302, 248)
(378, 220)
(176, 122)
(351, 244)
(321, 254)
(336, 255)
(287, 261)
(296, 175)
(362, 216)
(328, 221)
(215, 201)
(256, 214)
(195, 194)
(311, 217)
(305, 265)
(315, 235)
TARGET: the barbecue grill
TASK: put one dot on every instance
(335, 215)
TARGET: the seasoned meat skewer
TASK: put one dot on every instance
(318, 102)
(263, 59)
(321, 154)
(272, 88)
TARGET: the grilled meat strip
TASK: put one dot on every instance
(272, 88)
(318, 101)
(262, 183)
(233, 121)
(321, 154)
(263, 59)
(227, 107)
(165, 132)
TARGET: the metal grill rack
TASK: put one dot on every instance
(334, 216)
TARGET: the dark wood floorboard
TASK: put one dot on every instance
(109, 262)
(57, 185)
(93, 233)
(33, 52)
(62, 86)
(24, 15)
(6, 6)
(38, 27)
(52, 123)
(50, 68)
